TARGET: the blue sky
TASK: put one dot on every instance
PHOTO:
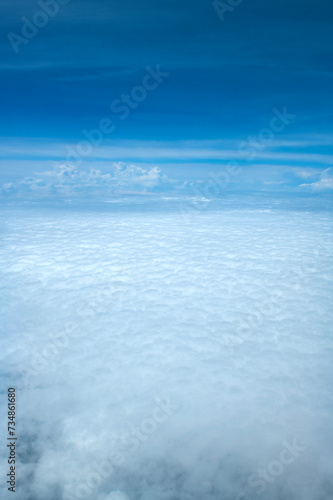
(224, 83)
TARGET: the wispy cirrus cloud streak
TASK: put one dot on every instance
(293, 150)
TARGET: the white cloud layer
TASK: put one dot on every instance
(226, 312)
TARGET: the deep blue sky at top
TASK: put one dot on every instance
(224, 76)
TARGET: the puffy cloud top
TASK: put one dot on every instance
(325, 182)
(69, 180)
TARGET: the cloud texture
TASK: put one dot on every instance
(163, 353)
(67, 180)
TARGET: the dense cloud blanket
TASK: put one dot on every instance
(178, 350)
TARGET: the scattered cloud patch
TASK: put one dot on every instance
(325, 182)
(67, 180)
(131, 175)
